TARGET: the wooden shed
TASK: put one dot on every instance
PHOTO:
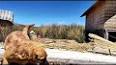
(97, 17)
(6, 23)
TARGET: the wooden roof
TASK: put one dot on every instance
(93, 6)
(110, 24)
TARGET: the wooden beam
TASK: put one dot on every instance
(103, 45)
(94, 36)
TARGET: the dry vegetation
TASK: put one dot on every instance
(54, 31)
(67, 37)
(72, 32)
(64, 44)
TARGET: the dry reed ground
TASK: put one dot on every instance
(64, 44)
(95, 46)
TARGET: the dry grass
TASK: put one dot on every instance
(66, 44)
(54, 31)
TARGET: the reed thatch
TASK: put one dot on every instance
(110, 24)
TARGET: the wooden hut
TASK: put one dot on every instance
(6, 23)
(97, 17)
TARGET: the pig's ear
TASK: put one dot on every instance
(31, 25)
(27, 28)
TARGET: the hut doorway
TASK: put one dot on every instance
(112, 36)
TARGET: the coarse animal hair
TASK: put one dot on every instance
(20, 49)
(30, 52)
(18, 36)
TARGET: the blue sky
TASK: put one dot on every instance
(47, 12)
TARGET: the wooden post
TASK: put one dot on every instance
(106, 35)
(109, 51)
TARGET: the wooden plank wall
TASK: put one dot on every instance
(96, 18)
